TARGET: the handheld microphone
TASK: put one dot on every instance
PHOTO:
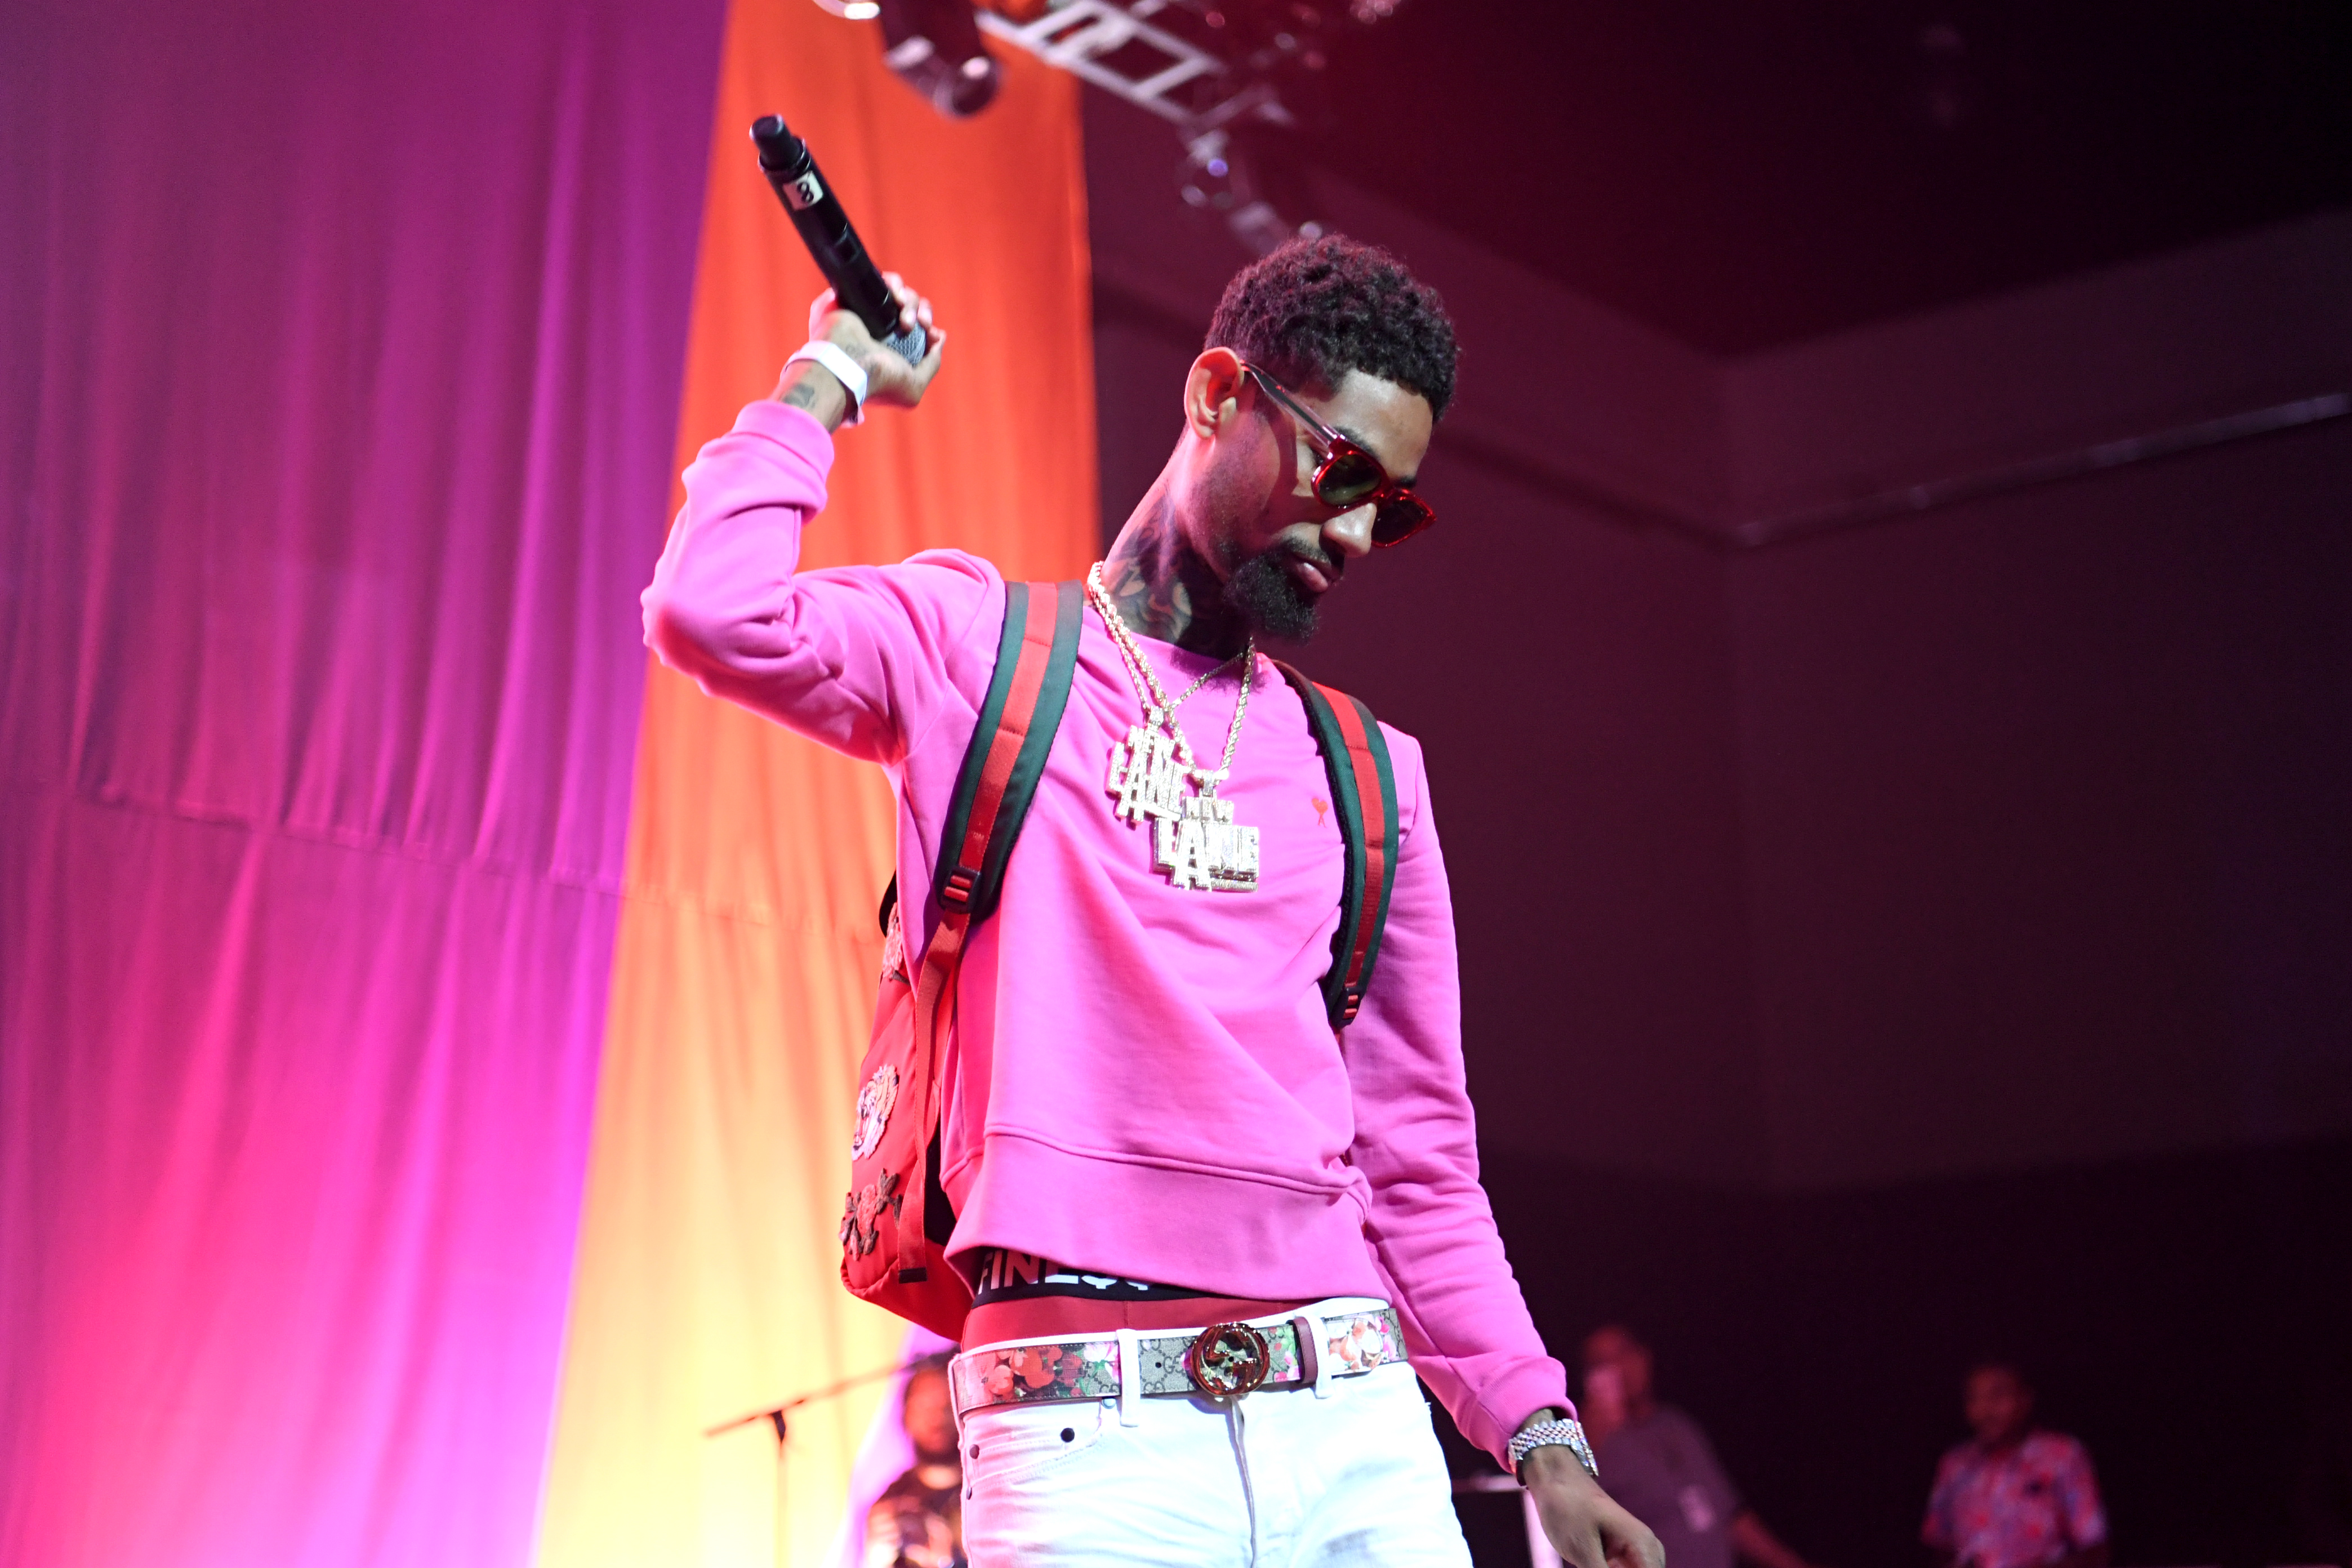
(824, 228)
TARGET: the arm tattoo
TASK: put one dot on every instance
(814, 391)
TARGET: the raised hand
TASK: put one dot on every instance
(890, 381)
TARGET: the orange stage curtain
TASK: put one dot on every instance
(743, 979)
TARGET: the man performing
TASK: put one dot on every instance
(1151, 1127)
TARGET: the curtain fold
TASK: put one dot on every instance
(745, 963)
(340, 356)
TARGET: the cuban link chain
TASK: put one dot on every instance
(1195, 838)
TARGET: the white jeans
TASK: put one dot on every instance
(1277, 1478)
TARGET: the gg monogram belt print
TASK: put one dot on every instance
(1171, 1363)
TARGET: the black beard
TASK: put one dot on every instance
(1269, 600)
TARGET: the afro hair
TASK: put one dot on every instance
(1318, 308)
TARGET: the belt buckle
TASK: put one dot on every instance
(1229, 1360)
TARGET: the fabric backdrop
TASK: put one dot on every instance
(341, 406)
(744, 975)
(340, 356)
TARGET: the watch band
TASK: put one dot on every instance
(844, 369)
(1567, 1434)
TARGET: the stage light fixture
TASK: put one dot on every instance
(934, 47)
(1222, 173)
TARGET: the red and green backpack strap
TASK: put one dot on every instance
(1035, 656)
(1363, 793)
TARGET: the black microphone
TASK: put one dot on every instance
(824, 228)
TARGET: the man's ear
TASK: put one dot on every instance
(1214, 392)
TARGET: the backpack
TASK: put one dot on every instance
(897, 1221)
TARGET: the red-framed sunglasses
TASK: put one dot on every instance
(1348, 476)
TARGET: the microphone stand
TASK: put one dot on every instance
(780, 1417)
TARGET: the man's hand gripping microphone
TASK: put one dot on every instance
(858, 283)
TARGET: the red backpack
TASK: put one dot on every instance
(896, 1223)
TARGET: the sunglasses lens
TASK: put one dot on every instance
(1347, 478)
(1400, 518)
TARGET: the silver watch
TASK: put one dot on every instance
(1568, 1434)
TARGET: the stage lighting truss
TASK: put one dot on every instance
(1217, 69)
(1227, 74)
(1131, 48)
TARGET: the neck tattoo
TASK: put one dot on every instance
(1195, 838)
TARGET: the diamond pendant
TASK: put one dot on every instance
(1195, 840)
(1205, 847)
(1146, 779)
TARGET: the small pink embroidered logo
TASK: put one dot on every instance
(1320, 807)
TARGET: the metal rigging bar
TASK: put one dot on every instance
(1110, 43)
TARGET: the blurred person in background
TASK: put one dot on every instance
(1661, 1467)
(2013, 1496)
(917, 1521)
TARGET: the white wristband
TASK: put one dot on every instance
(844, 369)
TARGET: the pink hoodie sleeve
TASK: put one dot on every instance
(860, 659)
(1433, 1233)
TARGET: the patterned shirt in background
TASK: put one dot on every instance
(2031, 1505)
(915, 1524)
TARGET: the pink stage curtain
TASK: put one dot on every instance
(340, 362)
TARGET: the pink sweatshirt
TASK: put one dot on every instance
(1143, 1081)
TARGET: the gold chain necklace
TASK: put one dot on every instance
(1195, 838)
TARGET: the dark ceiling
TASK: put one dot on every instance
(1743, 173)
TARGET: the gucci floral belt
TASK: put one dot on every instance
(1222, 1361)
